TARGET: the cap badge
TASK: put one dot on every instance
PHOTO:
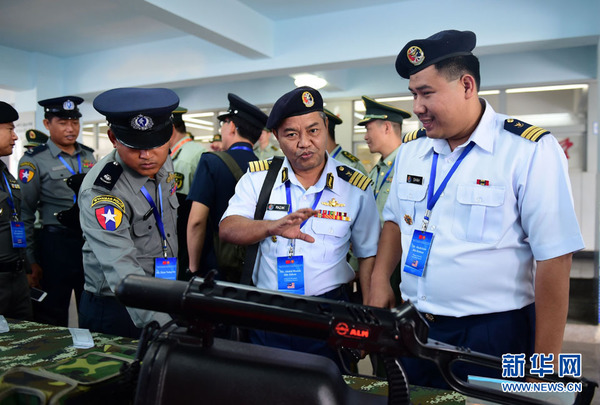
(415, 55)
(308, 99)
(142, 123)
(68, 105)
(32, 134)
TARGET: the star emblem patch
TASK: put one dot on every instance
(109, 217)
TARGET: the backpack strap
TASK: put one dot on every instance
(234, 168)
(259, 213)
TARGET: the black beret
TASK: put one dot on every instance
(62, 107)
(7, 113)
(300, 101)
(140, 118)
(421, 53)
(242, 109)
(35, 137)
(178, 114)
(333, 119)
(380, 111)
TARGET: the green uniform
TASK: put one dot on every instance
(266, 153)
(382, 174)
(348, 159)
(186, 155)
(120, 231)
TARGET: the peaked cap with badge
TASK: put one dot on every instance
(35, 137)
(333, 119)
(140, 118)
(178, 114)
(379, 111)
(421, 53)
(216, 138)
(62, 107)
(7, 113)
(251, 114)
(300, 101)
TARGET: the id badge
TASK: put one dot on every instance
(165, 268)
(17, 231)
(290, 274)
(420, 245)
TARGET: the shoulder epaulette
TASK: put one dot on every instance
(354, 177)
(412, 135)
(37, 149)
(350, 156)
(259, 165)
(109, 175)
(86, 148)
(176, 154)
(524, 129)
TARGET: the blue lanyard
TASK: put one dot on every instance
(70, 169)
(157, 215)
(384, 179)
(249, 149)
(337, 152)
(433, 198)
(288, 196)
(10, 198)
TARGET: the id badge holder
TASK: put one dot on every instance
(17, 231)
(165, 267)
(420, 245)
(290, 274)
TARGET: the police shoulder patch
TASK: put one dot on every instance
(524, 129)
(108, 176)
(84, 147)
(259, 165)
(350, 156)
(37, 149)
(353, 177)
(411, 136)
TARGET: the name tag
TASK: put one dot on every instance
(278, 207)
(165, 268)
(420, 245)
(290, 274)
(17, 231)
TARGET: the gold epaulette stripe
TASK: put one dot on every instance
(533, 133)
(259, 166)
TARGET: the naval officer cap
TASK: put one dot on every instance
(251, 114)
(140, 118)
(379, 111)
(62, 107)
(7, 113)
(421, 53)
(300, 101)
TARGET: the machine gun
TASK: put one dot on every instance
(203, 303)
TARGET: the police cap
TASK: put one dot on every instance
(380, 111)
(140, 118)
(7, 113)
(62, 107)
(300, 101)
(421, 53)
(35, 137)
(242, 109)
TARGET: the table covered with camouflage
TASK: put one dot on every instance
(38, 364)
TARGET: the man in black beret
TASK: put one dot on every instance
(14, 288)
(56, 262)
(214, 184)
(487, 198)
(316, 208)
(128, 208)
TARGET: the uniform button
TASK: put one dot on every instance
(387, 190)
(331, 231)
(479, 199)
(304, 198)
(433, 228)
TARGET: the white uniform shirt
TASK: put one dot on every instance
(486, 237)
(325, 265)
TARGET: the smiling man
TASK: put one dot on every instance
(128, 208)
(56, 263)
(480, 214)
(316, 208)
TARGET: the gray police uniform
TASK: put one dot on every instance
(42, 178)
(347, 159)
(14, 288)
(121, 234)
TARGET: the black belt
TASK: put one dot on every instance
(56, 228)
(11, 267)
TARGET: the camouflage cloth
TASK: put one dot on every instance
(38, 364)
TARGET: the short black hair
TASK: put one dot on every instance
(453, 68)
(247, 131)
